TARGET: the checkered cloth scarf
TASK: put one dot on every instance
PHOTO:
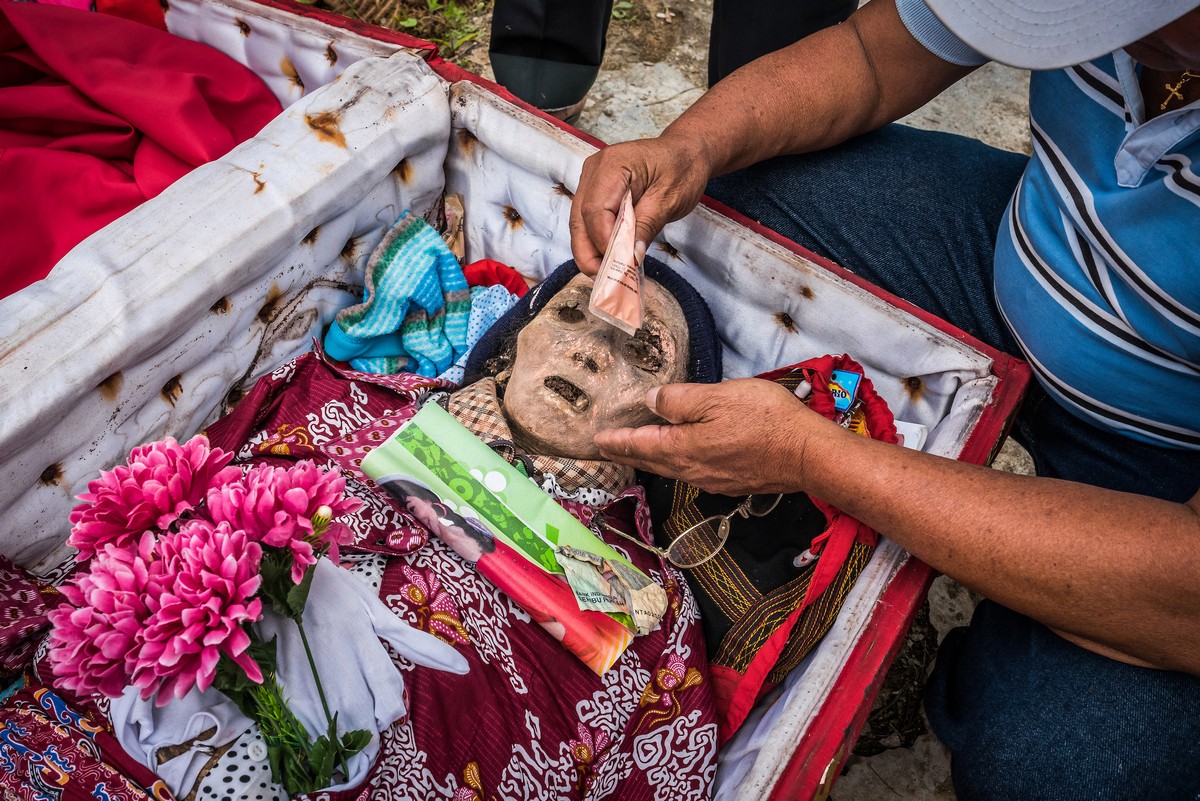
(477, 407)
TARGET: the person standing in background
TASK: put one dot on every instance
(548, 52)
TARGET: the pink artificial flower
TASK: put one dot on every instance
(276, 506)
(202, 612)
(161, 481)
(96, 636)
(673, 674)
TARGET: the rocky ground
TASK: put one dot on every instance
(655, 66)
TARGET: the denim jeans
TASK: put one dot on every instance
(1026, 714)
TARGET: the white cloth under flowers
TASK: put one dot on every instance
(347, 625)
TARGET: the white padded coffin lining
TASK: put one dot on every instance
(158, 323)
(147, 327)
(293, 55)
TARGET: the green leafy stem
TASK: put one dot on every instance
(300, 765)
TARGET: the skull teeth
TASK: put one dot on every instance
(568, 391)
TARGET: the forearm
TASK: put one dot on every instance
(1119, 570)
(833, 85)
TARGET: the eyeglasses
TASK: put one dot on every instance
(700, 542)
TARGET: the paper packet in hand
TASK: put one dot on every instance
(617, 293)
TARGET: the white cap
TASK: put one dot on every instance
(1049, 34)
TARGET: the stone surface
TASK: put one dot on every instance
(637, 101)
(990, 104)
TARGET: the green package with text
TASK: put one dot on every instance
(475, 482)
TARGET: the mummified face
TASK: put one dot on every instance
(575, 375)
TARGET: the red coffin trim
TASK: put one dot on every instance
(428, 50)
(825, 746)
(376, 32)
(453, 73)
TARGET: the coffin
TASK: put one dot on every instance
(160, 322)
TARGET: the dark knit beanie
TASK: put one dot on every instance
(704, 346)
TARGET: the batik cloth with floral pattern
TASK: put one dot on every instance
(529, 720)
(24, 602)
(51, 752)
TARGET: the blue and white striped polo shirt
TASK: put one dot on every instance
(1097, 266)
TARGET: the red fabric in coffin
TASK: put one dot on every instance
(98, 114)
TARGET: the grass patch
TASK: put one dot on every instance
(455, 26)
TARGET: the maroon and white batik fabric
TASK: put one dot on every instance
(24, 602)
(529, 720)
(51, 752)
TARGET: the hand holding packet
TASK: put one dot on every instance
(617, 290)
(517, 536)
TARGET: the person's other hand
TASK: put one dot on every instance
(735, 438)
(667, 176)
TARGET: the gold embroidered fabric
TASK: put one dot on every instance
(477, 408)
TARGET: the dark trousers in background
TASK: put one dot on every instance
(548, 52)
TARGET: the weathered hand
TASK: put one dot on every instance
(737, 437)
(667, 176)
